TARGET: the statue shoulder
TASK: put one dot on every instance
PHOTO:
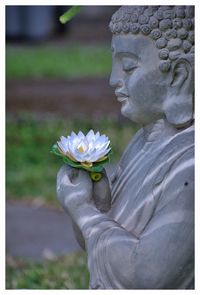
(175, 153)
(135, 143)
(132, 147)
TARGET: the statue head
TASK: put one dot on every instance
(153, 62)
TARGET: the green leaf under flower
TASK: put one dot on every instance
(96, 167)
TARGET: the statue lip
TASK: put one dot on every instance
(121, 96)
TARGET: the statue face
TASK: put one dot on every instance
(140, 86)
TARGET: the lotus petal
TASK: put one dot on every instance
(90, 136)
(85, 149)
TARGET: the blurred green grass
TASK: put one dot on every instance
(30, 167)
(50, 61)
(65, 272)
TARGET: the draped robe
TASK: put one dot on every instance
(146, 240)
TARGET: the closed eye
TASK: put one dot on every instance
(129, 69)
(128, 65)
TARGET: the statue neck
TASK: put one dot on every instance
(158, 131)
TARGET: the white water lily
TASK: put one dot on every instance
(85, 149)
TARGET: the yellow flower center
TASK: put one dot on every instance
(81, 149)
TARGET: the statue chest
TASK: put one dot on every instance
(133, 200)
(138, 181)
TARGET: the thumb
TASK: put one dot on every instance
(102, 193)
(82, 177)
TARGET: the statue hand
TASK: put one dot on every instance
(102, 194)
(74, 188)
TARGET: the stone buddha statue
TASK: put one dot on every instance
(138, 226)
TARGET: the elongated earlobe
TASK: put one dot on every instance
(178, 106)
(179, 110)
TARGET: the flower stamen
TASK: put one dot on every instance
(86, 164)
(81, 149)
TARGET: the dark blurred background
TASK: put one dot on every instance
(39, 23)
(57, 80)
(51, 67)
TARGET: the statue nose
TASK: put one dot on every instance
(115, 80)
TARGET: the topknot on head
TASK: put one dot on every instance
(171, 27)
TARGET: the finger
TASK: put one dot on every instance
(65, 175)
(83, 177)
(73, 173)
(102, 193)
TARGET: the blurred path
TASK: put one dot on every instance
(36, 232)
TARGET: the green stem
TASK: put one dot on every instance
(95, 176)
(69, 14)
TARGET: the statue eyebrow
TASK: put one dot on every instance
(127, 54)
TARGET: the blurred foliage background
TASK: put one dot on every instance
(65, 272)
(53, 61)
(30, 167)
